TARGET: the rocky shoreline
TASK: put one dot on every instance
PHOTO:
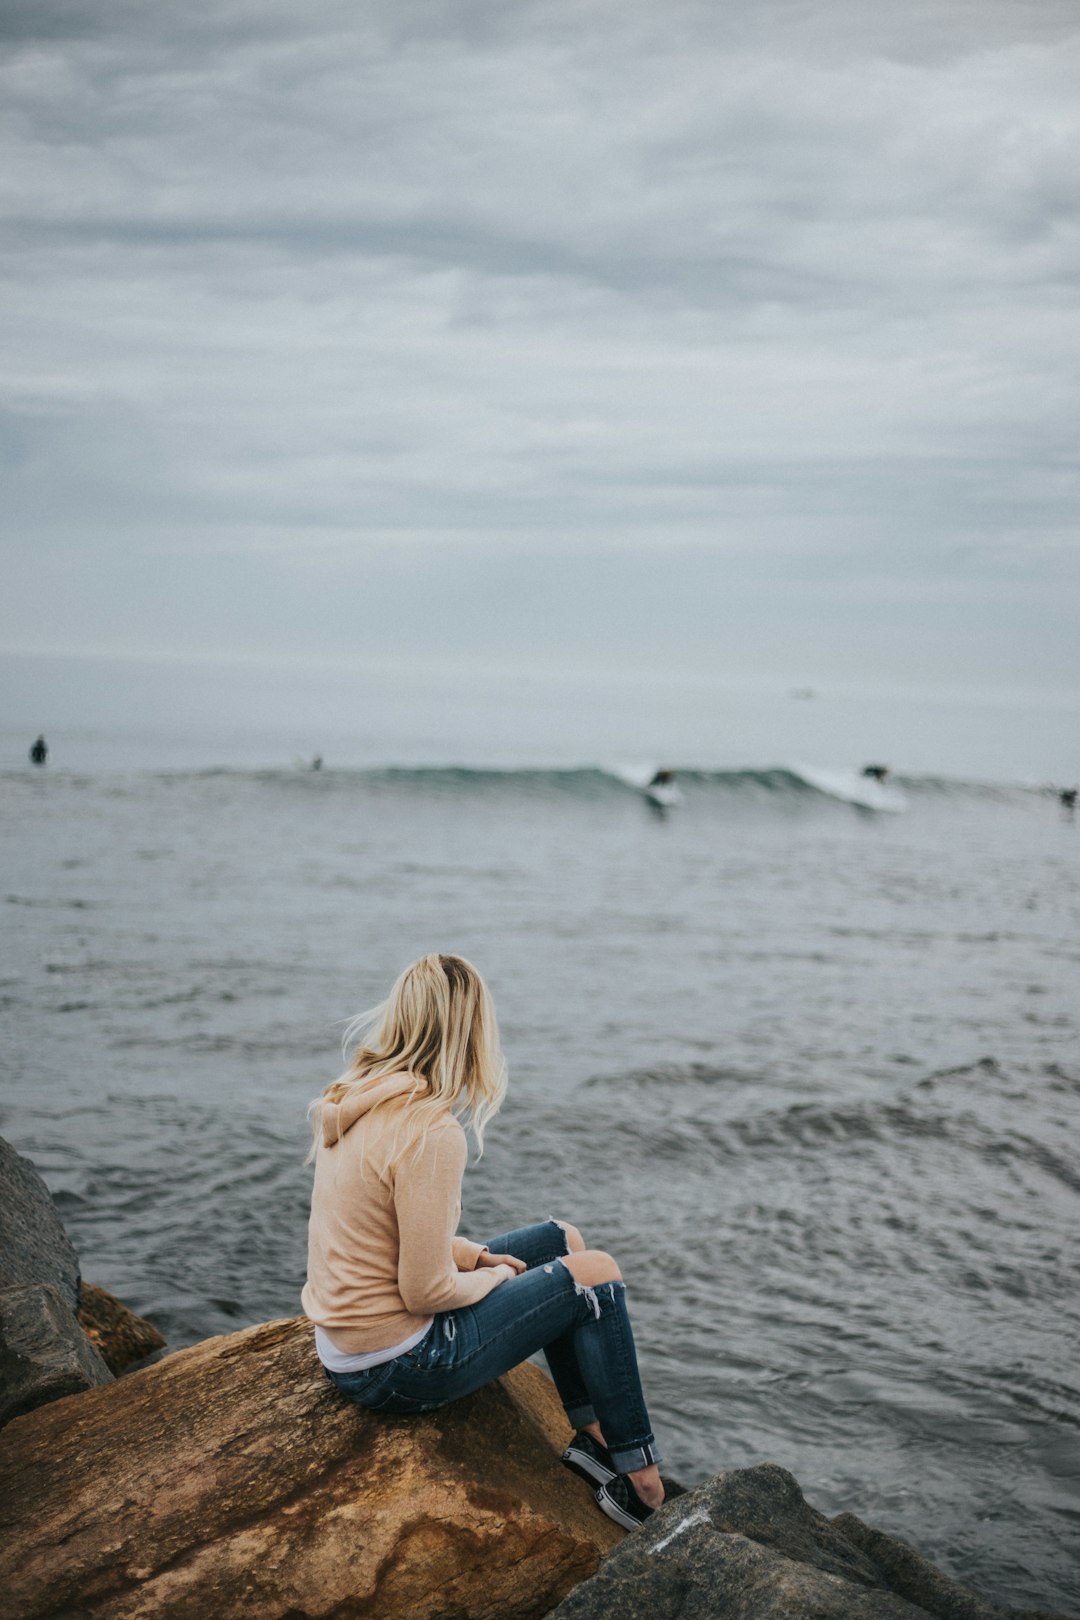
(231, 1479)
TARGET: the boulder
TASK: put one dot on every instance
(232, 1479)
(120, 1337)
(34, 1248)
(746, 1546)
(44, 1353)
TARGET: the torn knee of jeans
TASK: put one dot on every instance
(553, 1220)
(588, 1291)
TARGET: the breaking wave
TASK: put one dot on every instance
(772, 783)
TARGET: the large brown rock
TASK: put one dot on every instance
(746, 1546)
(232, 1479)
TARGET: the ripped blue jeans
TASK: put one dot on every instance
(584, 1333)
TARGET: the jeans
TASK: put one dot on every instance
(584, 1333)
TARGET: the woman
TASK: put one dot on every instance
(409, 1317)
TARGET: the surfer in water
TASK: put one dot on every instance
(39, 751)
(876, 773)
(663, 778)
(408, 1317)
(1068, 797)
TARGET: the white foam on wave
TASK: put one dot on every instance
(635, 776)
(852, 787)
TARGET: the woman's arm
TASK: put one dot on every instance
(427, 1191)
(469, 1255)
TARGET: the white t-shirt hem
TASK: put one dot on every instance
(336, 1360)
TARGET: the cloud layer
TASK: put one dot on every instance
(560, 325)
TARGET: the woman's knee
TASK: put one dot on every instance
(592, 1266)
(574, 1240)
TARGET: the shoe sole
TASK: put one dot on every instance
(587, 1467)
(614, 1511)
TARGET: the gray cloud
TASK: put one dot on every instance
(576, 319)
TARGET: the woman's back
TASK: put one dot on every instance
(382, 1255)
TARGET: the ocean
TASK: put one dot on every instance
(809, 1069)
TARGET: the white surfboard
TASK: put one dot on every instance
(664, 794)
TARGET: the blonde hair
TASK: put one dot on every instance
(438, 1024)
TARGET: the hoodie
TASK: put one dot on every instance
(382, 1255)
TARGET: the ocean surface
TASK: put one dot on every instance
(809, 1069)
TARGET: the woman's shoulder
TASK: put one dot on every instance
(446, 1129)
(441, 1140)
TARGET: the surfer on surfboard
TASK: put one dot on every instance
(661, 789)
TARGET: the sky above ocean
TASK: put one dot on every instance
(728, 343)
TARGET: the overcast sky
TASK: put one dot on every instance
(740, 338)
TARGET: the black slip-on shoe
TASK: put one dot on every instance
(587, 1457)
(619, 1500)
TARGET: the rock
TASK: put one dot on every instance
(121, 1337)
(923, 1585)
(745, 1546)
(40, 1296)
(44, 1354)
(233, 1480)
(34, 1248)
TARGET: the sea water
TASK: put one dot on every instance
(809, 1070)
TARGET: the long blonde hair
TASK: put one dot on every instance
(438, 1023)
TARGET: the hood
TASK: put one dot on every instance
(356, 1101)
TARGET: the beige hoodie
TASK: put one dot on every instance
(382, 1255)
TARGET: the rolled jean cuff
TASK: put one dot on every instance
(579, 1416)
(628, 1459)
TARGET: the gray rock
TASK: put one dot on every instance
(44, 1353)
(746, 1546)
(34, 1248)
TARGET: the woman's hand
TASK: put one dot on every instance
(516, 1266)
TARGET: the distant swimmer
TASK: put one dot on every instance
(39, 751)
(662, 778)
(316, 763)
(876, 773)
(1068, 797)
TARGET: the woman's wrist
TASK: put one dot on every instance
(487, 1259)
